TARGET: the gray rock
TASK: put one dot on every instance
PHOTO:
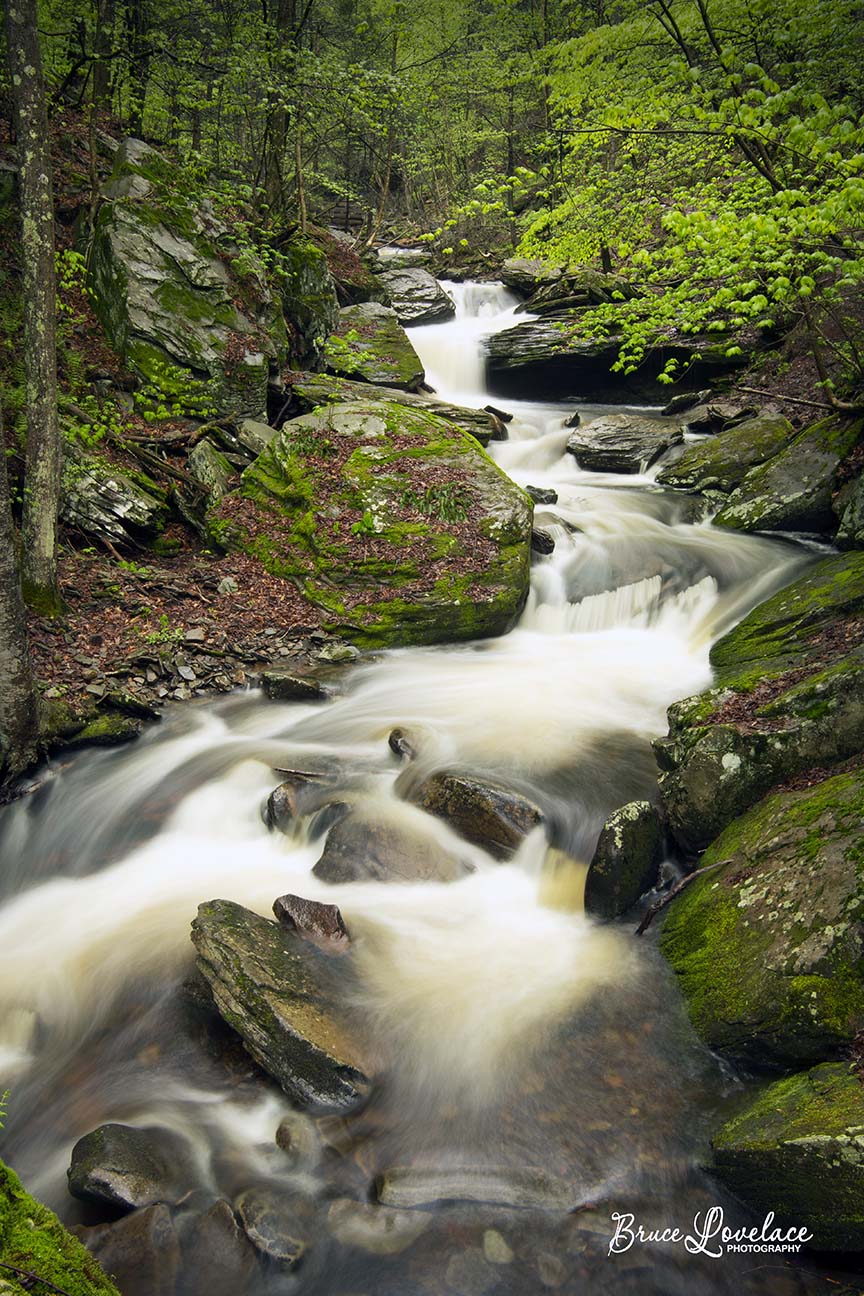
(575, 290)
(716, 415)
(377, 1230)
(218, 1256)
(282, 997)
(141, 1251)
(207, 465)
(542, 494)
(396, 258)
(285, 685)
(122, 1166)
(99, 499)
(685, 401)
(417, 296)
(625, 861)
(723, 462)
(301, 793)
(519, 1188)
(850, 534)
(366, 846)
(254, 435)
(321, 924)
(298, 1138)
(273, 1224)
(541, 541)
(622, 443)
(525, 277)
(485, 813)
(309, 297)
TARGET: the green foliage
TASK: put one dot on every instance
(448, 502)
(173, 393)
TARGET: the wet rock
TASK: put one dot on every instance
(126, 1167)
(542, 494)
(369, 343)
(366, 846)
(337, 654)
(207, 465)
(99, 499)
(622, 443)
(321, 924)
(468, 1273)
(142, 1251)
(685, 401)
(397, 258)
(769, 945)
(793, 491)
(850, 533)
(574, 290)
(282, 997)
(377, 1230)
(302, 793)
(273, 1225)
(401, 744)
(485, 813)
(625, 861)
(292, 686)
(714, 416)
(797, 1149)
(722, 463)
(309, 297)
(298, 1138)
(111, 729)
(217, 1255)
(541, 541)
(416, 296)
(525, 277)
(496, 1249)
(517, 1188)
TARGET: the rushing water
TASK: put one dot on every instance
(512, 1031)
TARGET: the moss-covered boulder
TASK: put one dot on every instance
(790, 695)
(309, 298)
(625, 862)
(370, 345)
(797, 1149)
(183, 314)
(793, 490)
(721, 462)
(850, 533)
(33, 1239)
(769, 946)
(391, 520)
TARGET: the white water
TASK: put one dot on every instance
(462, 985)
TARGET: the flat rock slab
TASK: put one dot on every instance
(281, 996)
(622, 443)
(517, 1188)
(121, 1166)
(485, 813)
(142, 1251)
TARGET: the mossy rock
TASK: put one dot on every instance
(392, 521)
(370, 345)
(309, 298)
(625, 861)
(33, 1239)
(793, 491)
(721, 462)
(797, 1148)
(850, 533)
(769, 946)
(102, 500)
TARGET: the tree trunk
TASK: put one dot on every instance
(104, 39)
(44, 455)
(18, 713)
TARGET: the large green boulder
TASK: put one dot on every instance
(769, 945)
(793, 490)
(33, 1240)
(181, 313)
(721, 462)
(790, 695)
(370, 345)
(391, 520)
(797, 1148)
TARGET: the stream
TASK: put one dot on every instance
(510, 1030)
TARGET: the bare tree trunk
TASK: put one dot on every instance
(103, 42)
(44, 455)
(19, 728)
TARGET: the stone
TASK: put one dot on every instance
(519, 1188)
(321, 924)
(625, 861)
(283, 685)
(33, 1239)
(125, 1167)
(254, 436)
(368, 343)
(469, 1274)
(575, 290)
(712, 417)
(496, 1249)
(365, 845)
(850, 533)
(141, 1251)
(273, 1225)
(722, 462)
(524, 276)
(99, 499)
(794, 490)
(542, 494)
(297, 1136)
(797, 1149)
(207, 465)
(685, 401)
(486, 813)
(338, 654)
(769, 945)
(227, 585)
(622, 443)
(301, 793)
(109, 730)
(388, 558)
(416, 296)
(309, 297)
(398, 258)
(283, 998)
(377, 1230)
(541, 541)
(218, 1256)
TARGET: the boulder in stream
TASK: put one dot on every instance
(274, 1222)
(370, 845)
(125, 1167)
(622, 443)
(369, 343)
(626, 860)
(417, 296)
(283, 998)
(797, 1149)
(486, 813)
(721, 463)
(321, 924)
(377, 1230)
(769, 945)
(142, 1251)
(218, 1256)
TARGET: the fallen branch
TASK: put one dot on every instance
(793, 400)
(34, 1278)
(679, 886)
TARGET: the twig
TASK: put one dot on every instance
(679, 886)
(26, 1273)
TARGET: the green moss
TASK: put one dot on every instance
(33, 1239)
(109, 730)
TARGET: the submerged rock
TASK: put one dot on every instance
(301, 793)
(282, 997)
(218, 1256)
(389, 519)
(377, 1230)
(485, 813)
(722, 462)
(141, 1250)
(370, 344)
(622, 443)
(769, 946)
(122, 1166)
(797, 1149)
(365, 846)
(625, 861)
(272, 1223)
(517, 1188)
(417, 296)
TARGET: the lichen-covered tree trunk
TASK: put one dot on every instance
(18, 716)
(43, 460)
